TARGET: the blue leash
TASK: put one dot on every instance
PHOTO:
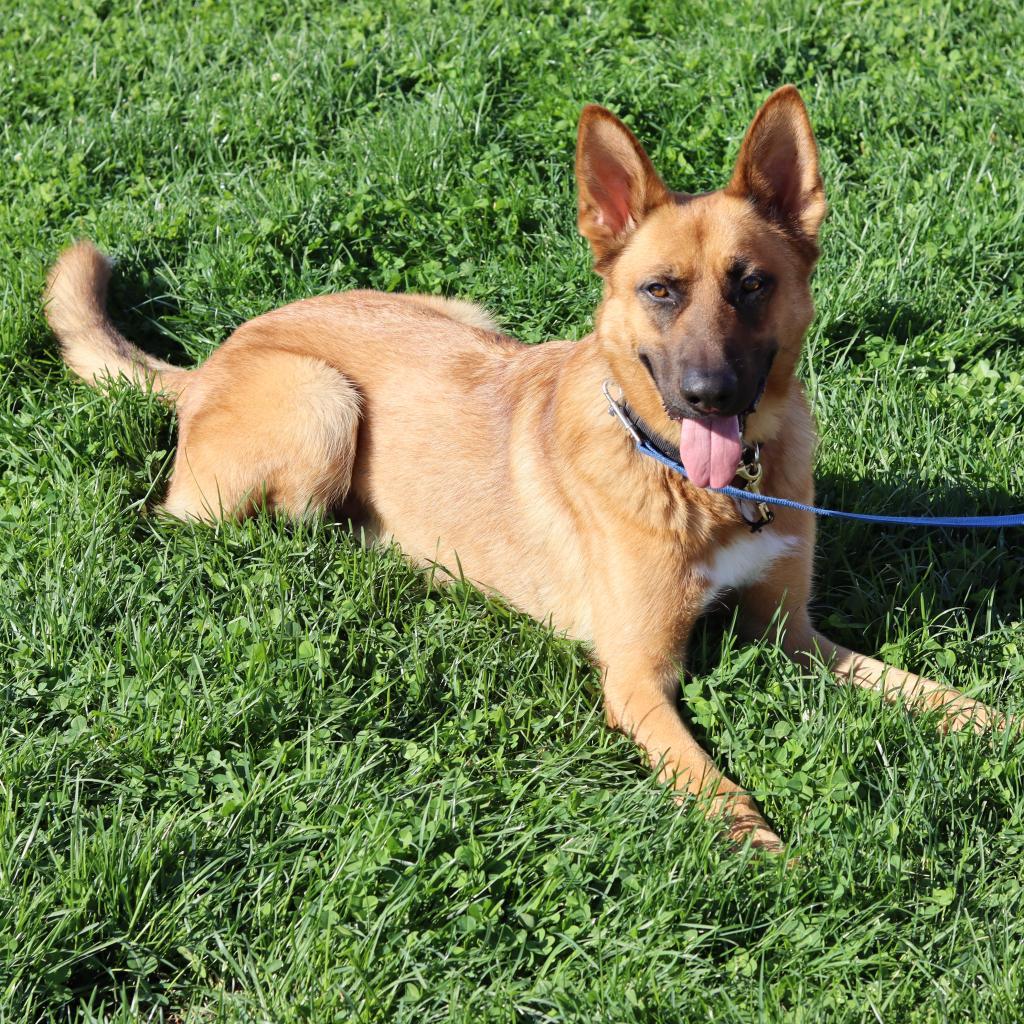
(968, 522)
(644, 446)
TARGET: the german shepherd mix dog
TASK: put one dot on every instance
(469, 449)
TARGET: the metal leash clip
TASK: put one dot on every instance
(750, 471)
(615, 409)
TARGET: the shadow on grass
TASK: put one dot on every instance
(900, 322)
(937, 568)
(137, 303)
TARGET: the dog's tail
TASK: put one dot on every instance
(75, 302)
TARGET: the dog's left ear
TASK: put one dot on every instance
(618, 185)
(777, 168)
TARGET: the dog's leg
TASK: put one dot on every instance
(641, 700)
(263, 428)
(786, 595)
(895, 685)
(640, 634)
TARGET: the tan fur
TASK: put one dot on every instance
(468, 313)
(75, 301)
(480, 454)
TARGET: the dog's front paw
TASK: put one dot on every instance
(963, 713)
(745, 823)
(758, 834)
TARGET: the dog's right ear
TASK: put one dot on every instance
(618, 185)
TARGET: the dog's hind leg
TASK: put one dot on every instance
(263, 429)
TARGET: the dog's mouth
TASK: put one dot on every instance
(711, 446)
(710, 440)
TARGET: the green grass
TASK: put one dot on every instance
(260, 773)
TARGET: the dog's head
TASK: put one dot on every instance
(707, 297)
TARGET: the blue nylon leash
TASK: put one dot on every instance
(967, 522)
(645, 447)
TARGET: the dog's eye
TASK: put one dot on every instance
(657, 290)
(752, 283)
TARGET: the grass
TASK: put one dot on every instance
(260, 773)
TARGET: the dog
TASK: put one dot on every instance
(416, 416)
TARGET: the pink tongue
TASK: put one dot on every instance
(709, 449)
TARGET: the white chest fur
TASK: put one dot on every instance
(743, 562)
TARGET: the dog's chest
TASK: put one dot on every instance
(742, 562)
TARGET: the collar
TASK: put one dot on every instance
(748, 473)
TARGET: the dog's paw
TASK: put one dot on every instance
(964, 713)
(745, 827)
(761, 838)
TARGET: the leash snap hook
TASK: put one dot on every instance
(751, 472)
(615, 409)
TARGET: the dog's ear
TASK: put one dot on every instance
(618, 185)
(777, 168)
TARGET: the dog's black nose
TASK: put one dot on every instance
(710, 391)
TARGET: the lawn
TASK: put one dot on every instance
(259, 772)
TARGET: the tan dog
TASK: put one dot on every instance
(472, 450)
